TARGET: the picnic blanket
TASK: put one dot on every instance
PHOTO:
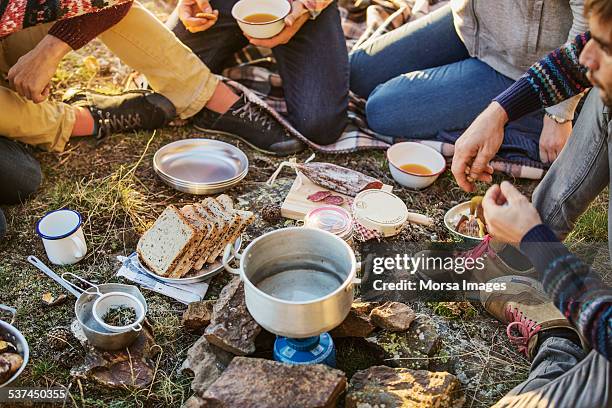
(255, 74)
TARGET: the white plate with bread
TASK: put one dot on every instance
(185, 245)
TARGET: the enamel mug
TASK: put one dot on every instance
(62, 235)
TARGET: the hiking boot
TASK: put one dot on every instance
(132, 110)
(499, 259)
(527, 311)
(253, 125)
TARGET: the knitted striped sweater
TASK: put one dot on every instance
(76, 21)
(574, 287)
(553, 79)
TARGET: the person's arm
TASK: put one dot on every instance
(565, 110)
(315, 7)
(78, 31)
(554, 79)
(573, 286)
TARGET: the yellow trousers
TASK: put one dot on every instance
(141, 41)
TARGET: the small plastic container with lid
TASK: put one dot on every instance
(380, 211)
(333, 219)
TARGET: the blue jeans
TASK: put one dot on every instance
(20, 176)
(313, 66)
(419, 80)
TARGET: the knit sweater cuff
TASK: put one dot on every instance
(78, 31)
(542, 247)
(519, 100)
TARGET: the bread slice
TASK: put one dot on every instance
(226, 201)
(242, 220)
(188, 260)
(162, 247)
(216, 212)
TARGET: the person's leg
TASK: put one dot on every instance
(48, 124)
(141, 41)
(315, 72)
(20, 176)
(422, 103)
(216, 45)
(561, 376)
(581, 171)
(428, 42)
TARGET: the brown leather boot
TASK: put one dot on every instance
(526, 310)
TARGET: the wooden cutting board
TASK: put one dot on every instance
(296, 205)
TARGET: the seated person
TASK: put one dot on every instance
(310, 52)
(184, 86)
(436, 74)
(563, 374)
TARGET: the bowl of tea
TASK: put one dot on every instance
(415, 165)
(261, 18)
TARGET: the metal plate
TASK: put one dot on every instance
(452, 216)
(200, 162)
(207, 272)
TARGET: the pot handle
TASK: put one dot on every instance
(227, 254)
(11, 310)
(45, 269)
(356, 280)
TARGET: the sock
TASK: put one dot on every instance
(84, 124)
(222, 99)
(560, 332)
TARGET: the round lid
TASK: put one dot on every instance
(329, 218)
(381, 211)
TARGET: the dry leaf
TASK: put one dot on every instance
(50, 300)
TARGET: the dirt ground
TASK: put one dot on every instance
(115, 188)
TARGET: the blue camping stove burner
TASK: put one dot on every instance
(311, 350)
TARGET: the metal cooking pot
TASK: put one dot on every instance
(11, 334)
(96, 335)
(298, 281)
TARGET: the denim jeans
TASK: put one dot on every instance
(419, 80)
(20, 175)
(313, 66)
(581, 171)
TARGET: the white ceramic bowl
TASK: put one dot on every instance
(244, 8)
(414, 153)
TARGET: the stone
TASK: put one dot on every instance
(411, 349)
(206, 363)
(392, 316)
(255, 382)
(382, 386)
(133, 367)
(357, 322)
(197, 316)
(232, 327)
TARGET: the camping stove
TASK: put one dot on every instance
(310, 350)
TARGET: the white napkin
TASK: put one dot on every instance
(133, 271)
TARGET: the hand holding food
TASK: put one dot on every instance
(477, 146)
(508, 213)
(197, 15)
